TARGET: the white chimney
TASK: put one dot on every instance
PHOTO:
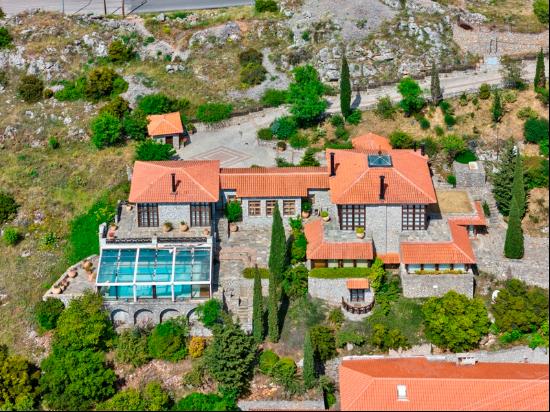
(402, 393)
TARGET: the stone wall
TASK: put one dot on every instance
(469, 175)
(278, 405)
(263, 220)
(423, 286)
(143, 313)
(383, 222)
(330, 290)
(248, 284)
(174, 213)
(322, 202)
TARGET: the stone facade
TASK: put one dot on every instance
(383, 222)
(322, 202)
(469, 175)
(143, 313)
(177, 212)
(331, 290)
(423, 286)
(262, 221)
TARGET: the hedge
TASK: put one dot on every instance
(214, 112)
(248, 273)
(339, 273)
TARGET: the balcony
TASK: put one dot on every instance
(357, 308)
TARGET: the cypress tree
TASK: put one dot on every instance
(435, 88)
(497, 110)
(277, 264)
(504, 178)
(513, 245)
(257, 309)
(308, 370)
(540, 75)
(345, 88)
(518, 186)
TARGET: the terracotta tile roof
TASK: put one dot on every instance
(197, 181)
(442, 386)
(372, 143)
(161, 124)
(357, 284)
(274, 181)
(407, 181)
(390, 258)
(318, 248)
(477, 220)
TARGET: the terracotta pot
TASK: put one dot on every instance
(113, 228)
(360, 235)
(128, 208)
(206, 232)
(326, 218)
(73, 272)
(184, 227)
(305, 215)
(111, 234)
(88, 266)
(91, 276)
(166, 228)
(233, 227)
(56, 290)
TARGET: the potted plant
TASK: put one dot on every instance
(184, 227)
(360, 232)
(167, 227)
(306, 208)
(73, 272)
(325, 216)
(206, 231)
(234, 213)
(56, 290)
(113, 227)
(281, 146)
(91, 276)
(88, 266)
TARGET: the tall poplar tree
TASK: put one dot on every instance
(540, 75)
(277, 265)
(257, 309)
(497, 110)
(513, 245)
(435, 87)
(504, 177)
(308, 370)
(345, 88)
(518, 186)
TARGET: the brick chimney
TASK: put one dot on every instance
(382, 187)
(423, 149)
(174, 186)
(332, 165)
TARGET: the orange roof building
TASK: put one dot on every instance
(417, 384)
(167, 128)
(371, 143)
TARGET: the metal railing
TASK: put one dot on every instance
(357, 310)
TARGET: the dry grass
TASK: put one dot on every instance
(516, 15)
(454, 201)
(536, 218)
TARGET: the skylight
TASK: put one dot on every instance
(380, 160)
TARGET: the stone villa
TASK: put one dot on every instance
(170, 241)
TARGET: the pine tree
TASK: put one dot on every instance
(277, 265)
(435, 88)
(518, 186)
(513, 245)
(308, 369)
(540, 75)
(345, 88)
(504, 177)
(257, 309)
(497, 110)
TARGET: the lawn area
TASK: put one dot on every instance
(451, 201)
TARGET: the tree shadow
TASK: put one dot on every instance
(283, 310)
(356, 101)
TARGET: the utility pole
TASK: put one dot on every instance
(105, 7)
(123, 13)
(63, 7)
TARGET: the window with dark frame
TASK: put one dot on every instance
(148, 214)
(351, 216)
(270, 207)
(289, 207)
(413, 217)
(200, 214)
(357, 295)
(254, 208)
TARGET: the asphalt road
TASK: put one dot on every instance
(114, 6)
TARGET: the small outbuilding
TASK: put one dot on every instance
(168, 128)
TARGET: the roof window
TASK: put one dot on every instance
(380, 160)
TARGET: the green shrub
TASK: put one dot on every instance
(344, 337)
(250, 56)
(306, 96)
(324, 342)
(450, 120)
(53, 143)
(431, 146)
(268, 359)
(526, 113)
(536, 172)
(295, 278)
(339, 273)
(439, 131)
(106, 130)
(542, 95)
(284, 371)
(385, 339)
(233, 211)
(206, 402)
(540, 8)
(401, 140)
(262, 6)
(72, 90)
(274, 98)
(484, 91)
(48, 93)
(159, 103)
(134, 124)
(248, 273)
(355, 117)
(3, 78)
(337, 120)
(131, 348)
(341, 133)
(197, 344)
(309, 159)
(279, 160)
(466, 157)
(118, 52)
(385, 108)
(18, 382)
(47, 312)
(152, 398)
(118, 107)
(284, 127)
(5, 38)
(510, 96)
(424, 123)
(299, 141)
(511, 336)
(30, 89)
(11, 236)
(265, 134)
(451, 179)
(412, 101)
(167, 340)
(453, 145)
(104, 82)
(463, 100)
(253, 74)
(446, 107)
(535, 130)
(150, 150)
(8, 207)
(338, 145)
(214, 112)
(209, 312)
(336, 317)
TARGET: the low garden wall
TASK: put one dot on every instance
(330, 290)
(423, 286)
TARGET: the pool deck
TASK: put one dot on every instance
(76, 286)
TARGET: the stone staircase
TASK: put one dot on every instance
(244, 314)
(495, 217)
